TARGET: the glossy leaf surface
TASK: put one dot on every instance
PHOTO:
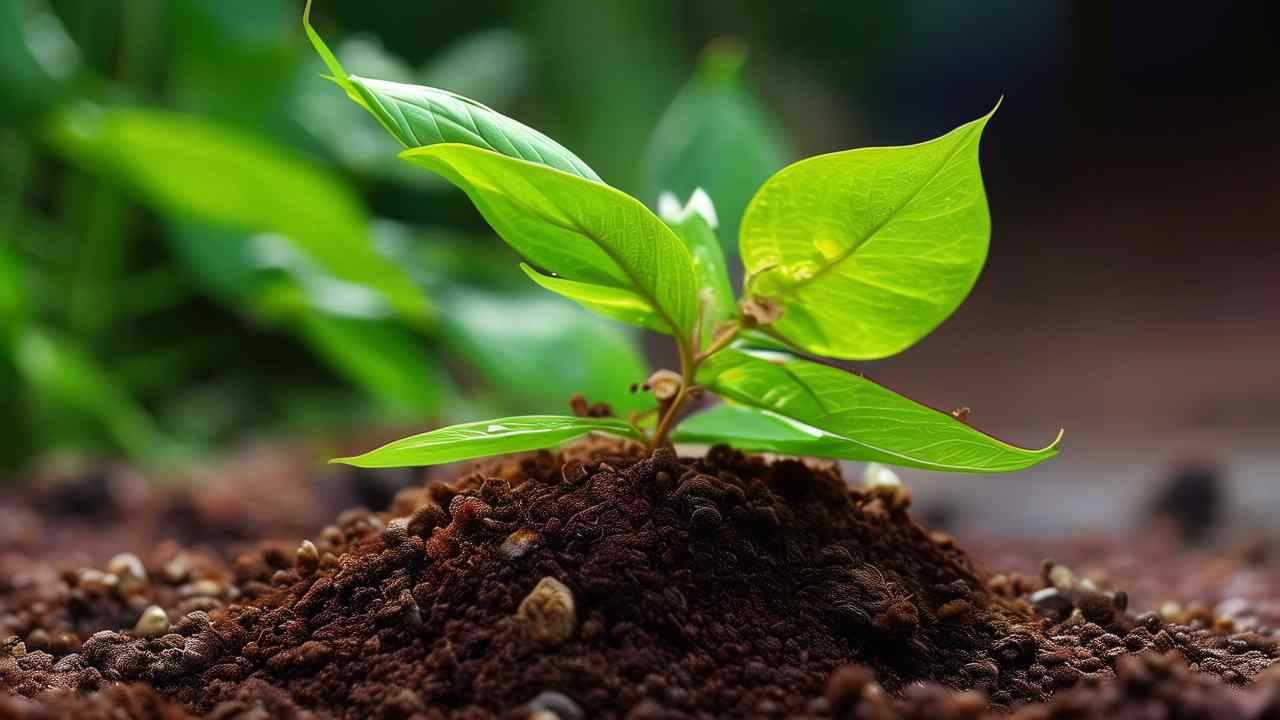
(420, 116)
(611, 302)
(582, 231)
(483, 439)
(755, 430)
(878, 424)
(869, 250)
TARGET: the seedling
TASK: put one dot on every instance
(853, 255)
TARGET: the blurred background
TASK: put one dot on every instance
(206, 250)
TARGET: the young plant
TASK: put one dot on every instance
(854, 255)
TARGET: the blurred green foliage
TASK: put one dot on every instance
(202, 240)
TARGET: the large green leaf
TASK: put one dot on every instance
(482, 439)
(695, 223)
(878, 423)
(715, 135)
(582, 231)
(419, 116)
(188, 167)
(869, 250)
(539, 350)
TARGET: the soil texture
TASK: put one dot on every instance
(605, 582)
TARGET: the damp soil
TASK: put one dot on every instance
(602, 582)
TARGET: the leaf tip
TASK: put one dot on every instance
(1057, 441)
(340, 75)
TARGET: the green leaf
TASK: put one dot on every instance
(695, 223)
(381, 357)
(582, 231)
(869, 250)
(878, 424)
(611, 302)
(193, 169)
(716, 135)
(755, 430)
(537, 351)
(483, 439)
(13, 290)
(28, 89)
(64, 375)
(420, 116)
(384, 359)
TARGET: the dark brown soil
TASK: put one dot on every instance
(603, 583)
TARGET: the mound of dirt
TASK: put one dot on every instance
(598, 582)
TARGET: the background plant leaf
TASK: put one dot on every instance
(483, 439)
(699, 236)
(582, 231)
(64, 376)
(539, 350)
(878, 424)
(379, 355)
(869, 250)
(13, 290)
(29, 90)
(189, 167)
(716, 135)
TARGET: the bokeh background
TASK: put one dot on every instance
(198, 233)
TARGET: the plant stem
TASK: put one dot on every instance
(689, 364)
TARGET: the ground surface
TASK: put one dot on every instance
(602, 582)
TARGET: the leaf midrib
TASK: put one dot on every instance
(641, 290)
(842, 257)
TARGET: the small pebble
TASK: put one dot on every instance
(518, 544)
(878, 476)
(556, 705)
(178, 569)
(548, 613)
(201, 588)
(307, 558)
(1061, 577)
(153, 623)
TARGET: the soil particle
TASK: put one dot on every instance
(547, 613)
(600, 582)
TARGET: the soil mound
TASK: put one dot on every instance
(597, 582)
